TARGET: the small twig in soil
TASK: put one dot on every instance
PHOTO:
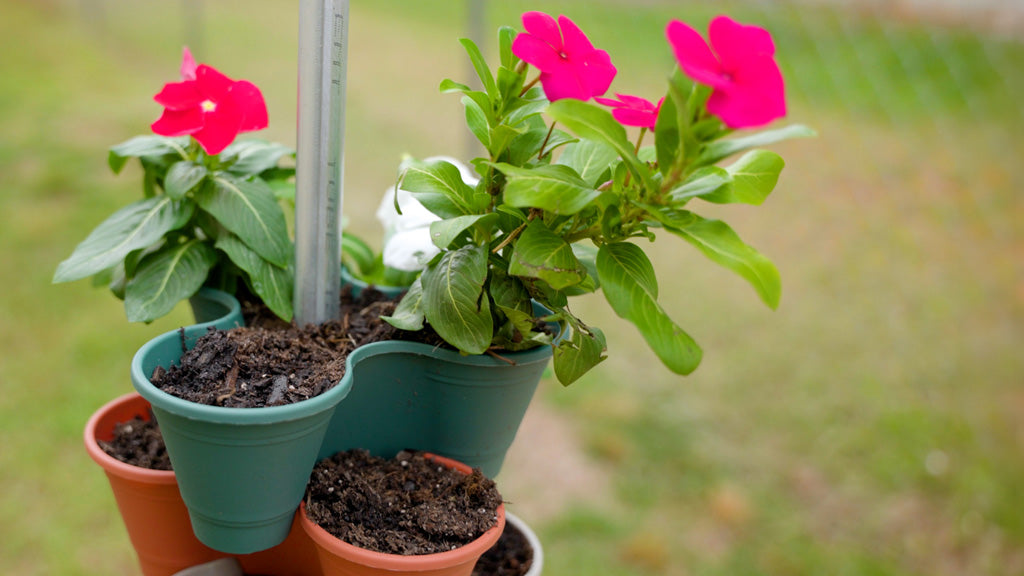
(494, 354)
(230, 380)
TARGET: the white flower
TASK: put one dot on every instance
(407, 243)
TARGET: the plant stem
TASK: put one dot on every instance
(512, 235)
(640, 140)
(546, 139)
(527, 87)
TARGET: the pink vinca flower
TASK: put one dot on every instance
(633, 110)
(209, 106)
(748, 86)
(570, 66)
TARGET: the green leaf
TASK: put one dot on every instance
(182, 177)
(667, 137)
(359, 253)
(454, 302)
(273, 284)
(540, 253)
(481, 67)
(722, 149)
(449, 86)
(753, 176)
(716, 240)
(248, 208)
(166, 277)
(408, 314)
(252, 157)
(438, 185)
(141, 146)
(138, 225)
(703, 182)
(589, 121)
(575, 356)
(444, 232)
(589, 158)
(476, 120)
(629, 285)
(509, 293)
(506, 35)
(554, 188)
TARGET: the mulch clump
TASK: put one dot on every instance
(272, 364)
(138, 442)
(511, 555)
(407, 505)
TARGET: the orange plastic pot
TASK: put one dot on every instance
(150, 504)
(339, 558)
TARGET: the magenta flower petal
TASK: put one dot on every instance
(569, 64)
(735, 43)
(694, 55)
(220, 126)
(188, 64)
(756, 97)
(179, 96)
(178, 122)
(212, 84)
(250, 102)
(748, 87)
(544, 28)
(633, 110)
(536, 52)
(573, 39)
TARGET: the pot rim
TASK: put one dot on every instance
(110, 464)
(221, 414)
(537, 565)
(463, 554)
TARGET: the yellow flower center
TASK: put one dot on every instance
(208, 105)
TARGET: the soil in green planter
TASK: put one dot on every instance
(138, 442)
(407, 505)
(273, 364)
(511, 555)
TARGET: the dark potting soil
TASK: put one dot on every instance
(138, 442)
(407, 505)
(273, 363)
(511, 555)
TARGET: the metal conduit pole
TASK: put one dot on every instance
(323, 55)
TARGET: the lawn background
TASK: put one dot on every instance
(874, 424)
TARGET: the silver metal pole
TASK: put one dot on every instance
(323, 55)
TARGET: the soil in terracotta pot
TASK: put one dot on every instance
(511, 555)
(138, 442)
(273, 363)
(407, 505)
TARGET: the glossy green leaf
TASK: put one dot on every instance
(133, 227)
(589, 121)
(753, 177)
(722, 149)
(481, 67)
(667, 137)
(450, 86)
(702, 183)
(575, 356)
(454, 302)
(167, 277)
(273, 284)
(248, 208)
(408, 315)
(554, 188)
(506, 35)
(141, 146)
(252, 157)
(629, 285)
(437, 178)
(444, 232)
(716, 240)
(589, 158)
(476, 120)
(182, 177)
(358, 254)
(540, 253)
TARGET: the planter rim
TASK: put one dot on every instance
(108, 462)
(234, 308)
(395, 562)
(222, 414)
(542, 353)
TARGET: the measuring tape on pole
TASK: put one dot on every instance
(323, 57)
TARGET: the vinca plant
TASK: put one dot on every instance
(563, 200)
(210, 215)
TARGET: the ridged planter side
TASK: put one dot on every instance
(241, 471)
(339, 558)
(150, 505)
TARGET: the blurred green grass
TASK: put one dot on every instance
(871, 425)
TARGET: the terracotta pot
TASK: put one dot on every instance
(149, 502)
(339, 558)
